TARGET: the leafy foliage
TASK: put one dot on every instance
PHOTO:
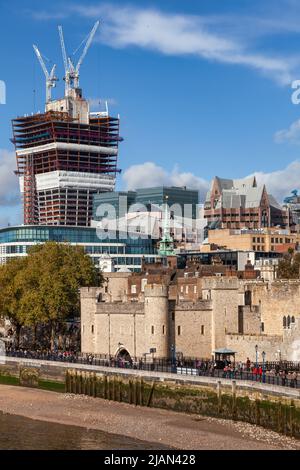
(43, 288)
(289, 266)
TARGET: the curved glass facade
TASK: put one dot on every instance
(15, 241)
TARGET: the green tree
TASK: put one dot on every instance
(289, 266)
(44, 288)
(12, 290)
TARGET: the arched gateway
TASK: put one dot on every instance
(123, 354)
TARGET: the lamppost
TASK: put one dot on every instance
(279, 355)
(173, 356)
(263, 371)
(256, 355)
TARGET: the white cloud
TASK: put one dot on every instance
(290, 135)
(9, 189)
(278, 183)
(149, 174)
(207, 37)
(281, 182)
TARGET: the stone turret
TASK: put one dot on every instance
(157, 319)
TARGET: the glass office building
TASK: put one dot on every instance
(149, 197)
(129, 252)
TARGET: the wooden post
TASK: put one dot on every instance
(257, 412)
(114, 389)
(141, 392)
(150, 394)
(67, 385)
(120, 390)
(292, 414)
(135, 394)
(219, 394)
(105, 387)
(130, 392)
(80, 383)
(234, 399)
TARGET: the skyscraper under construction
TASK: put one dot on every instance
(66, 154)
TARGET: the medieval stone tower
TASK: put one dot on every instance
(157, 328)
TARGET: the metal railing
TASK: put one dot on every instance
(270, 373)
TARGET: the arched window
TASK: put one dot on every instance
(288, 321)
(284, 322)
(293, 319)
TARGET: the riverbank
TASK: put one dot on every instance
(168, 428)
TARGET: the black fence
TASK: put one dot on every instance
(285, 374)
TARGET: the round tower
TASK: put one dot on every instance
(157, 320)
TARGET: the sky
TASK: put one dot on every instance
(202, 87)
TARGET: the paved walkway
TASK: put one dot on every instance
(161, 376)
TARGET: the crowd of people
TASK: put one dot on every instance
(278, 374)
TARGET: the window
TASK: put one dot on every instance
(202, 329)
(173, 316)
(92, 329)
(186, 289)
(179, 330)
(284, 322)
(163, 329)
(262, 327)
(195, 289)
(152, 330)
(133, 289)
(181, 289)
(288, 321)
(144, 282)
(293, 319)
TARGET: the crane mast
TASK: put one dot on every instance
(51, 79)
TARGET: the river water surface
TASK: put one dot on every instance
(18, 433)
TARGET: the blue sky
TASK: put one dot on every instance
(203, 87)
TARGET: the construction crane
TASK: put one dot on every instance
(66, 62)
(51, 79)
(72, 71)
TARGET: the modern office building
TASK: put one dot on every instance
(177, 198)
(125, 253)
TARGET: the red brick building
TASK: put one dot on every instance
(236, 204)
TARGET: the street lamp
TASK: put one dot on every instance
(264, 371)
(256, 355)
(279, 355)
(173, 356)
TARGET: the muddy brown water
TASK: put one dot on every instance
(19, 433)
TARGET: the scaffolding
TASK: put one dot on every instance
(54, 142)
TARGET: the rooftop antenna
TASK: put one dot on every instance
(50, 77)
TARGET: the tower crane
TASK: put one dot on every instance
(67, 77)
(51, 79)
(72, 71)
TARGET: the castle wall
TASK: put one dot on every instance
(193, 329)
(224, 294)
(244, 345)
(276, 300)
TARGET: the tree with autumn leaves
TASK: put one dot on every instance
(289, 266)
(43, 287)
